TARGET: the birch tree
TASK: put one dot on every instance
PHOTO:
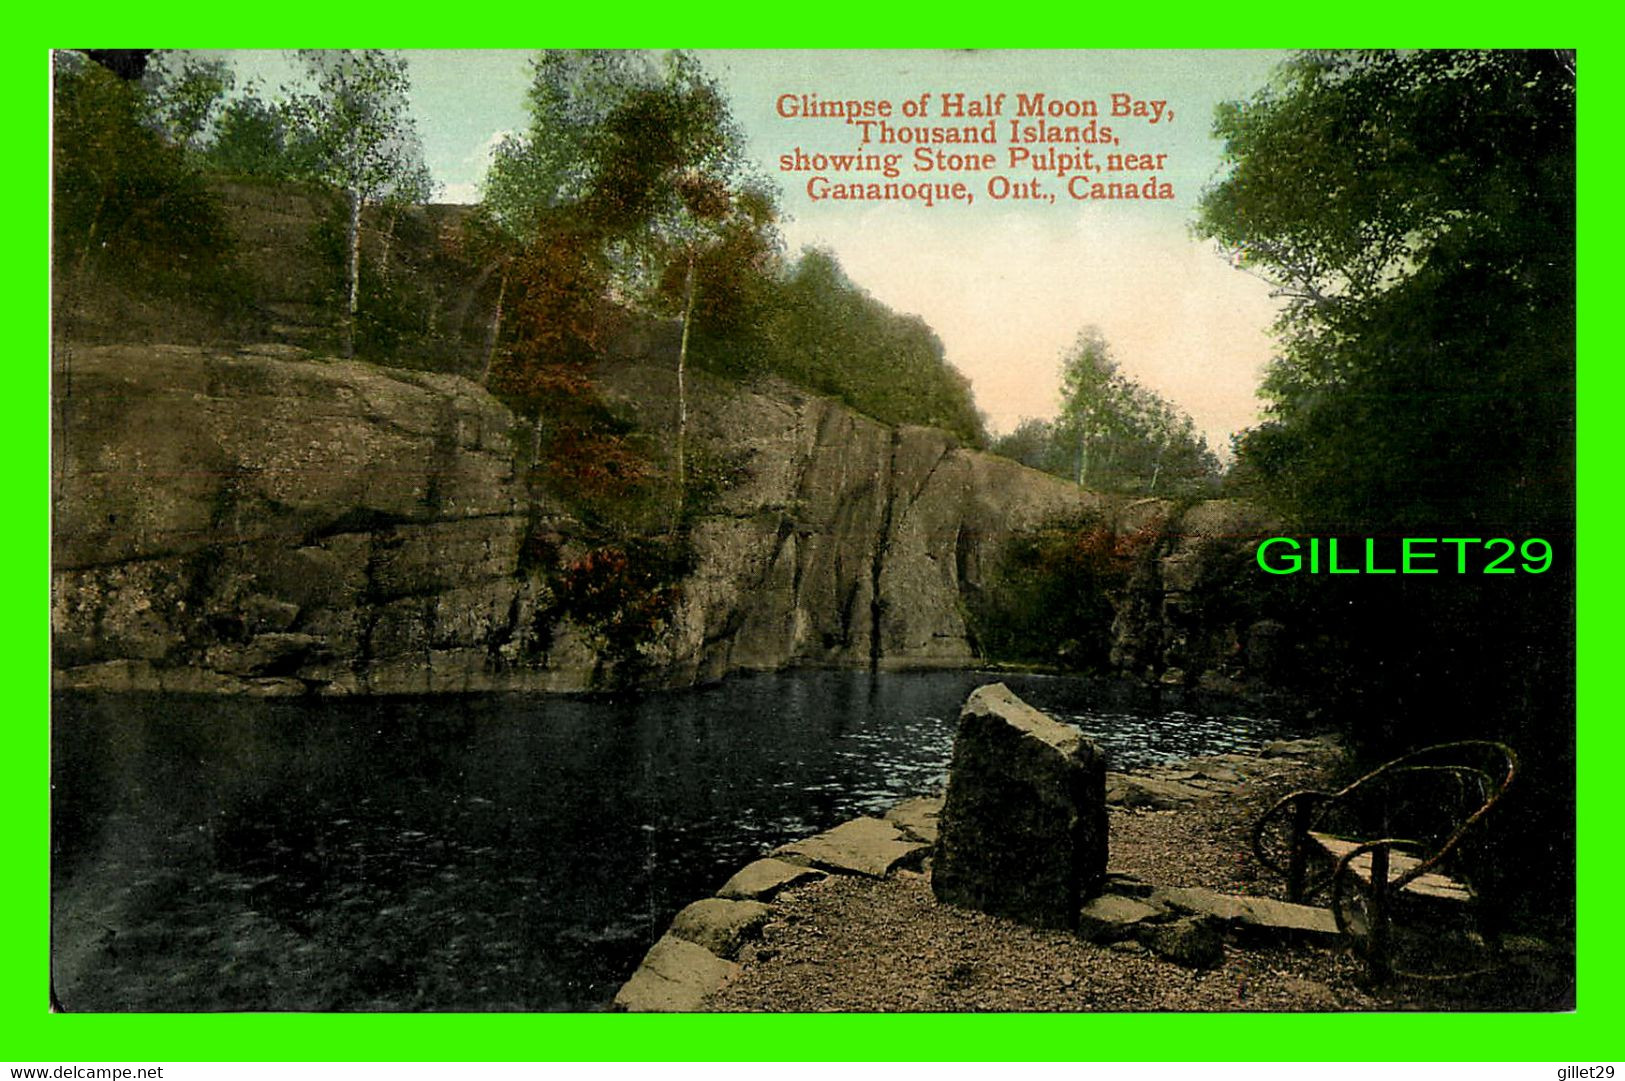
(535, 188)
(184, 95)
(360, 135)
(1086, 377)
(669, 174)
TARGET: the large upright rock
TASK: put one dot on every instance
(1023, 830)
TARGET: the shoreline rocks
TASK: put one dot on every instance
(863, 846)
(850, 943)
(711, 941)
(696, 956)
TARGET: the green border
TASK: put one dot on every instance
(32, 1034)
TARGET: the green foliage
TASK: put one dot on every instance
(1049, 601)
(1417, 210)
(124, 200)
(1034, 444)
(356, 126)
(393, 308)
(635, 162)
(667, 162)
(623, 185)
(637, 152)
(1087, 371)
(664, 127)
(550, 167)
(183, 94)
(355, 131)
(257, 138)
(392, 314)
(816, 328)
(1112, 434)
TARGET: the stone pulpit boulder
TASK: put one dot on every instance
(1023, 827)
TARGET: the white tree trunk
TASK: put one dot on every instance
(389, 241)
(1083, 454)
(493, 330)
(354, 273)
(682, 394)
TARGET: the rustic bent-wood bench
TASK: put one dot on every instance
(1396, 839)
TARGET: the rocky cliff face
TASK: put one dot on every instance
(1197, 612)
(259, 522)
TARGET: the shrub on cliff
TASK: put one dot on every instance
(1049, 601)
(125, 203)
(624, 595)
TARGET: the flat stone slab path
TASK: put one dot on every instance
(694, 957)
(760, 880)
(675, 977)
(863, 846)
(918, 817)
(1129, 790)
(720, 925)
(1257, 913)
(1112, 917)
(1188, 925)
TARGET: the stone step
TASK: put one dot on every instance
(675, 977)
(1249, 913)
(1155, 793)
(1112, 917)
(720, 925)
(764, 878)
(863, 846)
(918, 817)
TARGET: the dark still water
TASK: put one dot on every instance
(488, 853)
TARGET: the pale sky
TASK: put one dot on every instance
(1005, 284)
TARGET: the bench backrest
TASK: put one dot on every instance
(1435, 796)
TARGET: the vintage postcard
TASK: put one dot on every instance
(803, 531)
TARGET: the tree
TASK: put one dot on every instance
(571, 201)
(824, 332)
(640, 153)
(119, 189)
(1112, 434)
(536, 189)
(1032, 443)
(360, 137)
(254, 137)
(737, 285)
(668, 168)
(550, 167)
(184, 94)
(1416, 210)
(1087, 409)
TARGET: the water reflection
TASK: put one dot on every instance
(496, 853)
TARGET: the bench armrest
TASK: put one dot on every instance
(1290, 812)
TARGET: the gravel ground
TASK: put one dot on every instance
(867, 945)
